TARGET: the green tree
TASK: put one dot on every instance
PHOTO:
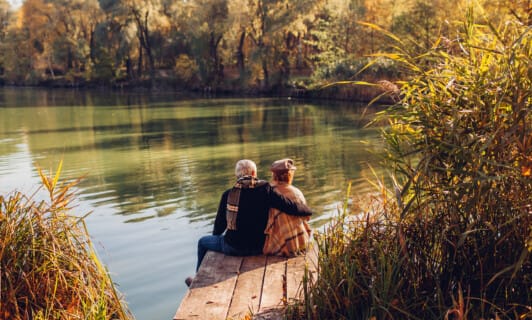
(116, 44)
(498, 11)
(326, 51)
(211, 18)
(346, 26)
(142, 14)
(423, 21)
(419, 24)
(73, 47)
(273, 24)
(147, 21)
(17, 55)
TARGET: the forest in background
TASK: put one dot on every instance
(241, 46)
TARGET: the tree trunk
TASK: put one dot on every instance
(240, 62)
(217, 69)
(69, 59)
(50, 67)
(147, 46)
(91, 45)
(139, 64)
(266, 73)
(144, 39)
(129, 70)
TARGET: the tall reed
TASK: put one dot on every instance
(454, 238)
(48, 267)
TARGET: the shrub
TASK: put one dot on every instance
(460, 141)
(380, 68)
(456, 241)
(48, 267)
(186, 70)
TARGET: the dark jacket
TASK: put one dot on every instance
(252, 216)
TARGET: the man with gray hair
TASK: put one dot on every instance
(245, 167)
(243, 214)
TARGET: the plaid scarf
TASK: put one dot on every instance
(233, 199)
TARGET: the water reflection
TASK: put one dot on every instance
(156, 165)
(165, 154)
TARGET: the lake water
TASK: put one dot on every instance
(155, 166)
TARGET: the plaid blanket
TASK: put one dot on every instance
(286, 235)
(233, 199)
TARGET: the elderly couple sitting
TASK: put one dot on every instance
(256, 217)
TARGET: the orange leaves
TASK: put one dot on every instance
(526, 171)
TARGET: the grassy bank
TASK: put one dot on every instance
(451, 237)
(48, 267)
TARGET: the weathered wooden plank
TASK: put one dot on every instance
(295, 270)
(312, 263)
(233, 287)
(248, 288)
(271, 301)
(211, 291)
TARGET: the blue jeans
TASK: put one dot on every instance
(218, 244)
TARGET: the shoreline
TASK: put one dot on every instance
(340, 92)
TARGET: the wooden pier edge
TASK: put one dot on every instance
(253, 287)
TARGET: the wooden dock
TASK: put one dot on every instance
(254, 287)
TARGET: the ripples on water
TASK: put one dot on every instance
(155, 168)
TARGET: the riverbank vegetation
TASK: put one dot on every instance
(240, 46)
(451, 236)
(48, 267)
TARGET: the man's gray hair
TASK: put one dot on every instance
(245, 167)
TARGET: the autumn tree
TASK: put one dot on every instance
(374, 13)
(116, 44)
(5, 16)
(237, 44)
(74, 24)
(276, 28)
(30, 48)
(345, 16)
(424, 21)
(340, 40)
(325, 45)
(17, 56)
(139, 29)
(237, 38)
(90, 16)
(211, 18)
(57, 37)
(142, 14)
(502, 10)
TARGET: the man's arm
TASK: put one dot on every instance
(288, 206)
(220, 223)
